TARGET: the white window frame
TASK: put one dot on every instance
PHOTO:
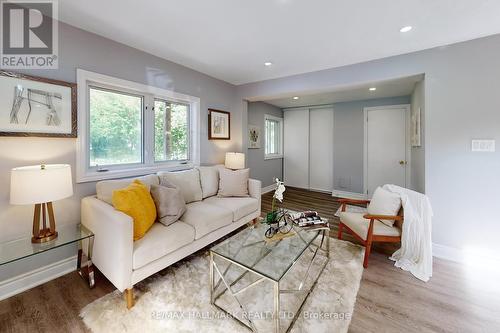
(85, 173)
(280, 145)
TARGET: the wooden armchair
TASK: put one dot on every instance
(368, 228)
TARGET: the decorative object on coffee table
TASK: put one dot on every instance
(219, 125)
(235, 161)
(41, 185)
(36, 106)
(277, 219)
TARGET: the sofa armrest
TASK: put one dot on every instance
(255, 189)
(113, 240)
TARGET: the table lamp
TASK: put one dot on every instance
(41, 185)
(235, 161)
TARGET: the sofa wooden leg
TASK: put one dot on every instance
(339, 235)
(129, 297)
(368, 249)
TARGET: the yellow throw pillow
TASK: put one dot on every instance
(136, 201)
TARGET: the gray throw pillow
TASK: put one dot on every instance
(169, 201)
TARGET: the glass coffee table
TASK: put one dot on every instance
(252, 254)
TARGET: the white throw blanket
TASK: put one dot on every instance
(415, 254)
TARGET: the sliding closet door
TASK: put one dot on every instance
(321, 149)
(296, 147)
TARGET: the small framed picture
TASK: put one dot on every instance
(35, 106)
(219, 125)
(253, 137)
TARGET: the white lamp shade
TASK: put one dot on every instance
(36, 184)
(235, 161)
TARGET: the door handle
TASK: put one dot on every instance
(402, 162)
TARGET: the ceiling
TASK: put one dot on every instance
(391, 88)
(231, 40)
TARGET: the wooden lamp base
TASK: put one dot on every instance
(44, 234)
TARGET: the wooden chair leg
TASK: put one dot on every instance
(368, 249)
(368, 244)
(129, 297)
(341, 227)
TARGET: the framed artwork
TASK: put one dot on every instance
(219, 125)
(416, 128)
(253, 137)
(35, 106)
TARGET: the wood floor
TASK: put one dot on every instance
(458, 298)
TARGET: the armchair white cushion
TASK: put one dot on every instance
(384, 202)
(357, 223)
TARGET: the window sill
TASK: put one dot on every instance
(93, 176)
(272, 157)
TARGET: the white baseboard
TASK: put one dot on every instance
(268, 189)
(39, 276)
(448, 253)
(348, 195)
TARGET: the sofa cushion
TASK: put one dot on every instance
(188, 181)
(209, 178)
(205, 218)
(357, 223)
(384, 202)
(105, 188)
(160, 241)
(240, 207)
(233, 183)
(170, 204)
(136, 201)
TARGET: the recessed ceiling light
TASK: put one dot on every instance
(406, 29)
(373, 89)
(296, 97)
(268, 63)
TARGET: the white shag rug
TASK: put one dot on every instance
(178, 299)
(351, 209)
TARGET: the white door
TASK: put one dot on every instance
(296, 147)
(386, 147)
(321, 149)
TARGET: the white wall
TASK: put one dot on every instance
(461, 103)
(81, 49)
(260, 168)
(348, 150)
(418, 153)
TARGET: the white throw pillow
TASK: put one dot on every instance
(105, 188)
(209, 178)
(233, 183)
(187, 181)
(384, 202)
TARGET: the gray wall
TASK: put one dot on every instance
(461, 103)
(81, 49)
(418, 153)
(264, 170)
(348, 141)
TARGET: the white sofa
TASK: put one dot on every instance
(125, 262)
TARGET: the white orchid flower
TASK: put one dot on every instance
(280, 188)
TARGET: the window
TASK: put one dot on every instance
(273, 137)
(171, 131)
(115, 127)
(129, 129)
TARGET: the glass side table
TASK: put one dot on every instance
(18, 249)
